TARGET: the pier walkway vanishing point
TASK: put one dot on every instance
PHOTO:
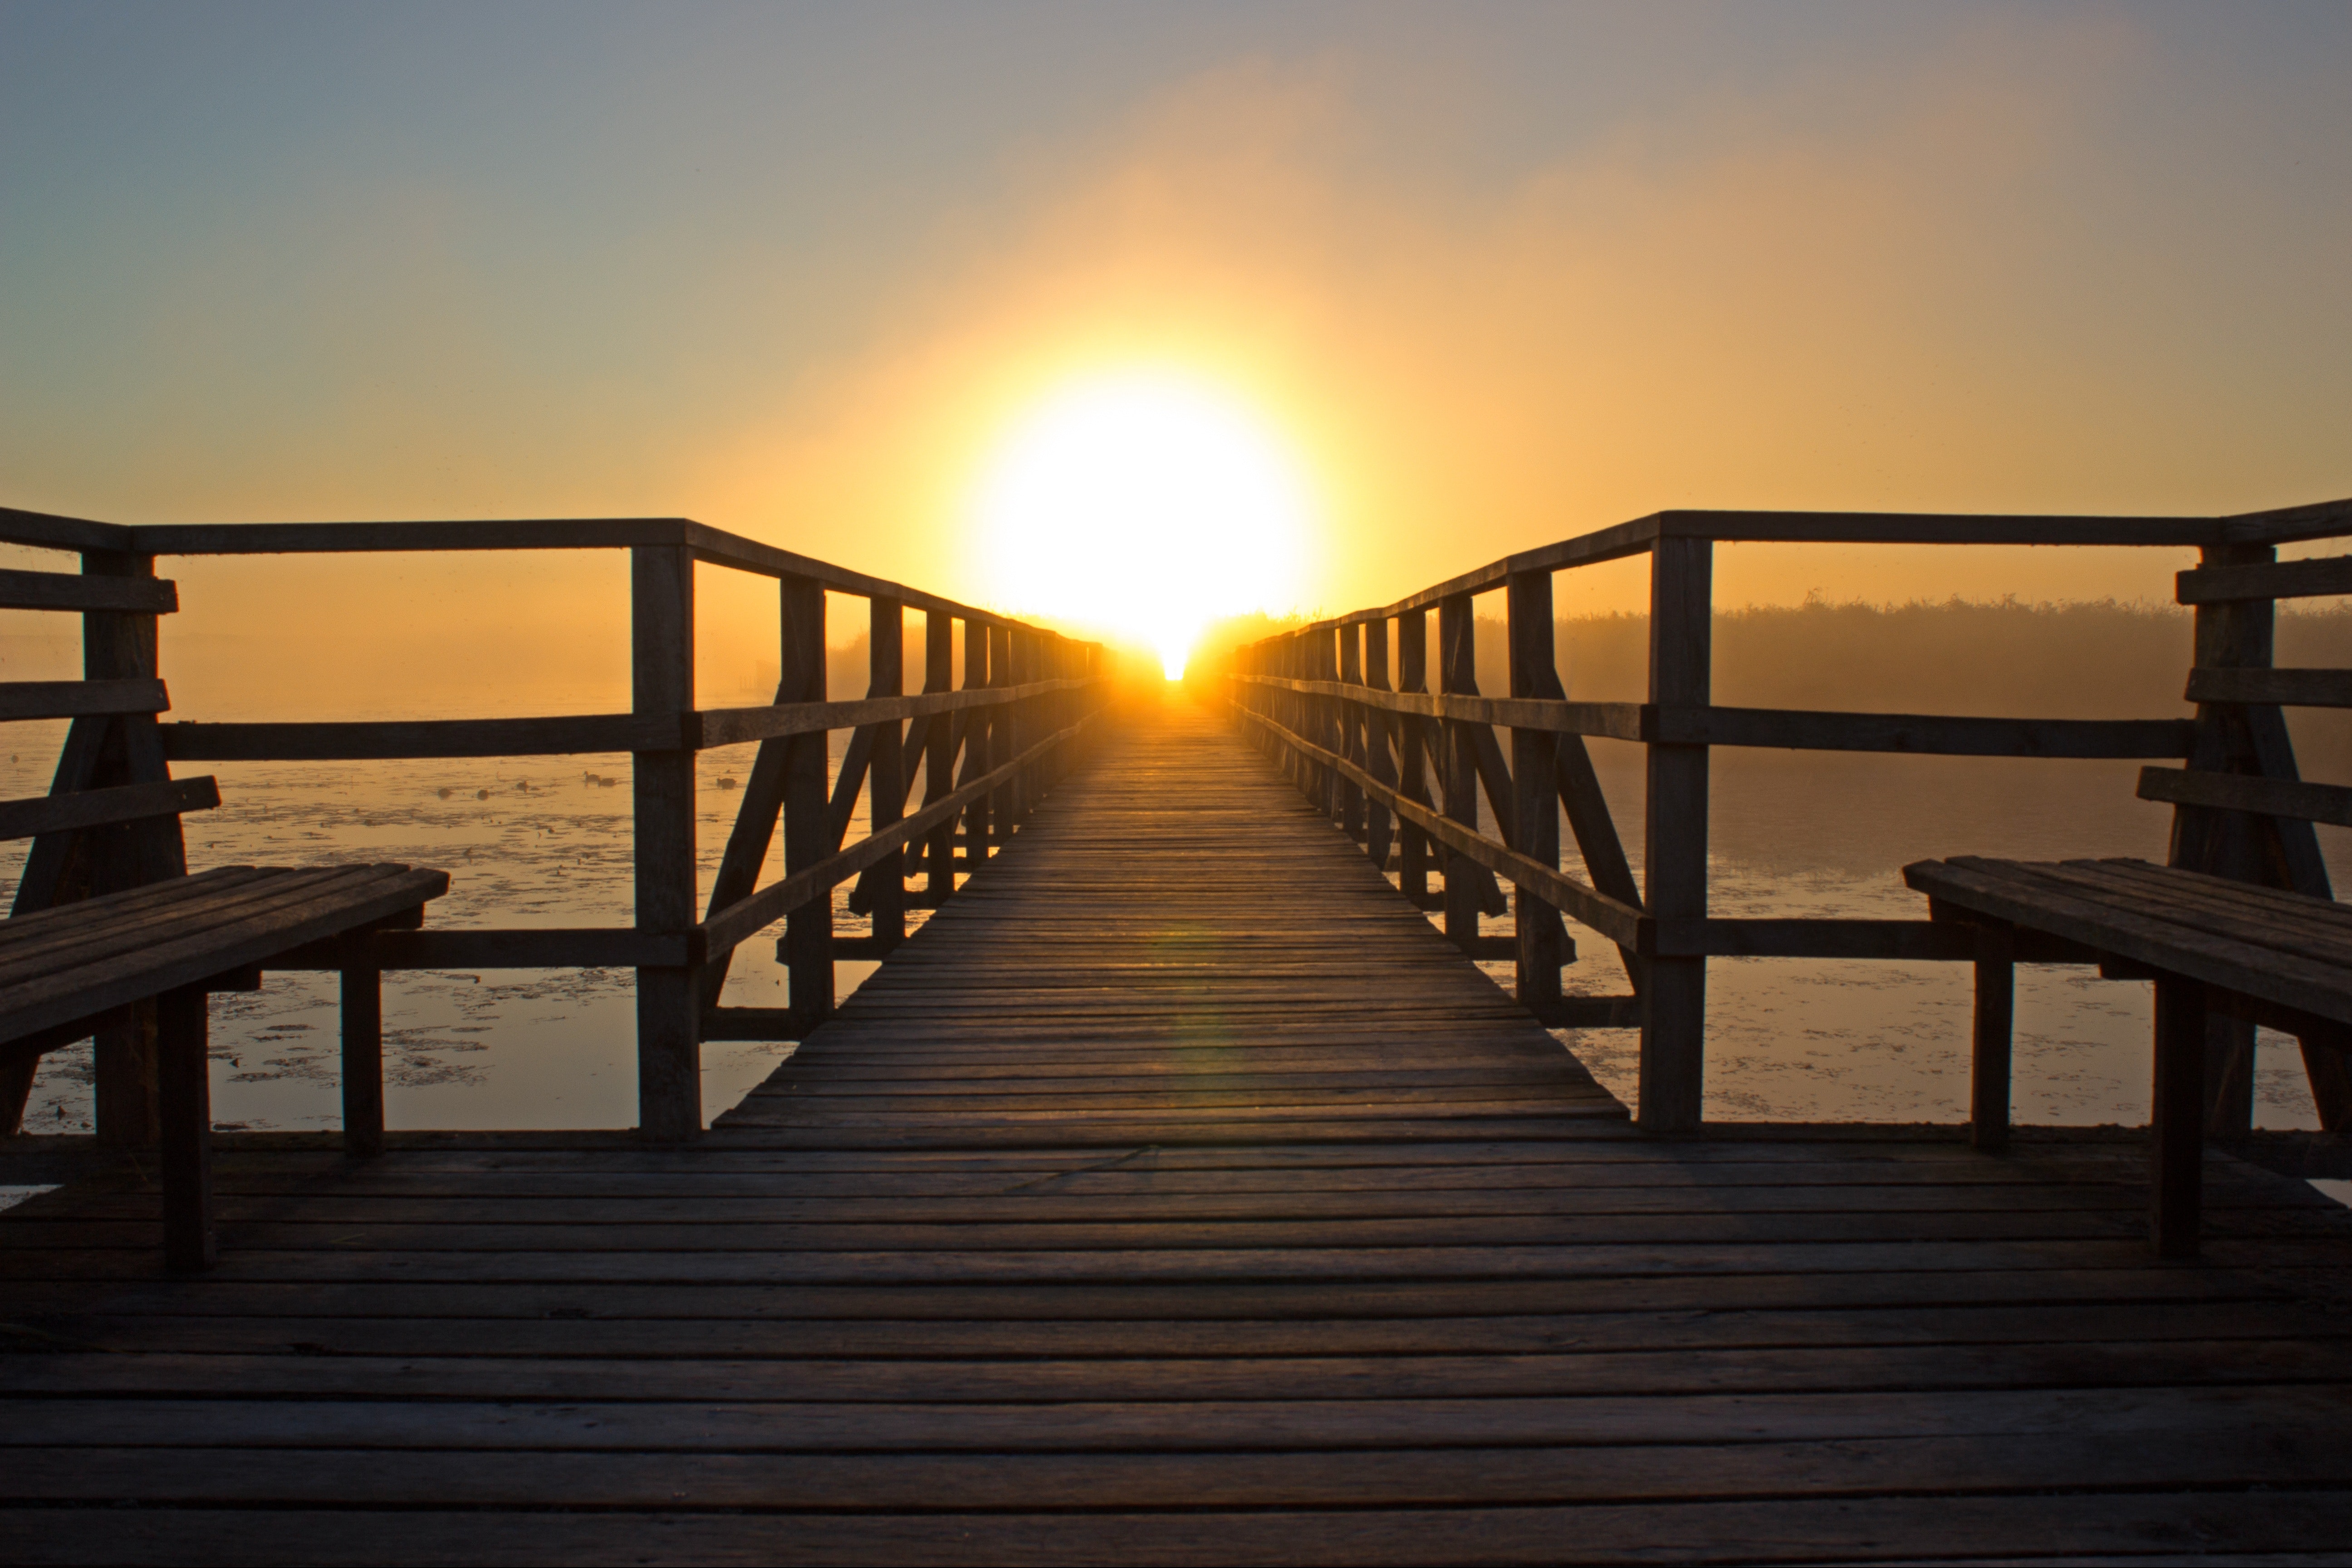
(1178, 1193)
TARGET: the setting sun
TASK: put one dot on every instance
(1146, 504)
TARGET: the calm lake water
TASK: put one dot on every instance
(546, 843)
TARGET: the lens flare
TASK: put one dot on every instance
(1145, 504)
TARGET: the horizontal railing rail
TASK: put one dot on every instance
(1413, 768)
(1027, 696)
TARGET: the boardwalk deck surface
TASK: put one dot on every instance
(1179, 1196)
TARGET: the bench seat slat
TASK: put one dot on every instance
(2308, 920)
(97, 940)
(101, 928)
(2189, 908)
(17, 927)
(204, 947)
(2018, 893)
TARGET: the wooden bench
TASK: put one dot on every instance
(65, 972)
(2213, 946)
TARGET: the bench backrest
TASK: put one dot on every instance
(111, 820)
(2241, 807)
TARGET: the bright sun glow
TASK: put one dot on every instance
(1147, 504)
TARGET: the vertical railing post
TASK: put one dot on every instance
(2277, 851)
(1006, 811)
(974, 725)
(1535, 786)
(939, 750)
(1412, 675)
(977, 747)
(669, 1011)
(808, 930)
(1029, 662)
(1379, 726)
(1674, 1002)
(1352, 727)
(886, 780)
(119, 644)
(1457, 671)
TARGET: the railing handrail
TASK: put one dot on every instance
(716, 546)
(1028, 694)
(2280, 525)
(1413, 759)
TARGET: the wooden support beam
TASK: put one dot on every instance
(2177, 1119)
(362, 985)
(583, 735)
(1595, 829)
(882, 888)
(1674, 1033)
(979, 742)
(21, 701)
(105, 807)
(2305, 803)
(1004, 736)
(1615, 920)
(2231, 637)
(939, 749)
(1993, 1032)
(670, 1002)
(71, 591)
(1379, 743)
(184, 1146)
(806, 888)
(2242, 582)
(2273, 688)
(1792, 729)
(1458, 672)
(122, 647)
(1535, 759)
(1350, 716)
(807, 946)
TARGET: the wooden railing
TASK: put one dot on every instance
(1406, 765)
(985, 750)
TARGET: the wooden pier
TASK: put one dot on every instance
(1179, 1194)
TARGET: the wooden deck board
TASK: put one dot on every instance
(1177, 1195)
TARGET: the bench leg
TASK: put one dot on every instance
(362, 989)
(123, 1081)
(185, 1138)
(2228, 1078)
(1996, 1018)
(2325, 1063)
(2177, 1118)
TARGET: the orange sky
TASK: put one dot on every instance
(1495, 274)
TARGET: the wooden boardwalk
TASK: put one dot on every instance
(1178, 1194)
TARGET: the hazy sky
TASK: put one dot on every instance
(1497, 274)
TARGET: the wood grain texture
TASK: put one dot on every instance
(1177, 1193)
(71, 591)
(27, 700)
(103, 807)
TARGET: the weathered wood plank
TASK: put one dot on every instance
(26, 700)
(102, 807)
(2331, 803)
(2318, 578)
(21, 590)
